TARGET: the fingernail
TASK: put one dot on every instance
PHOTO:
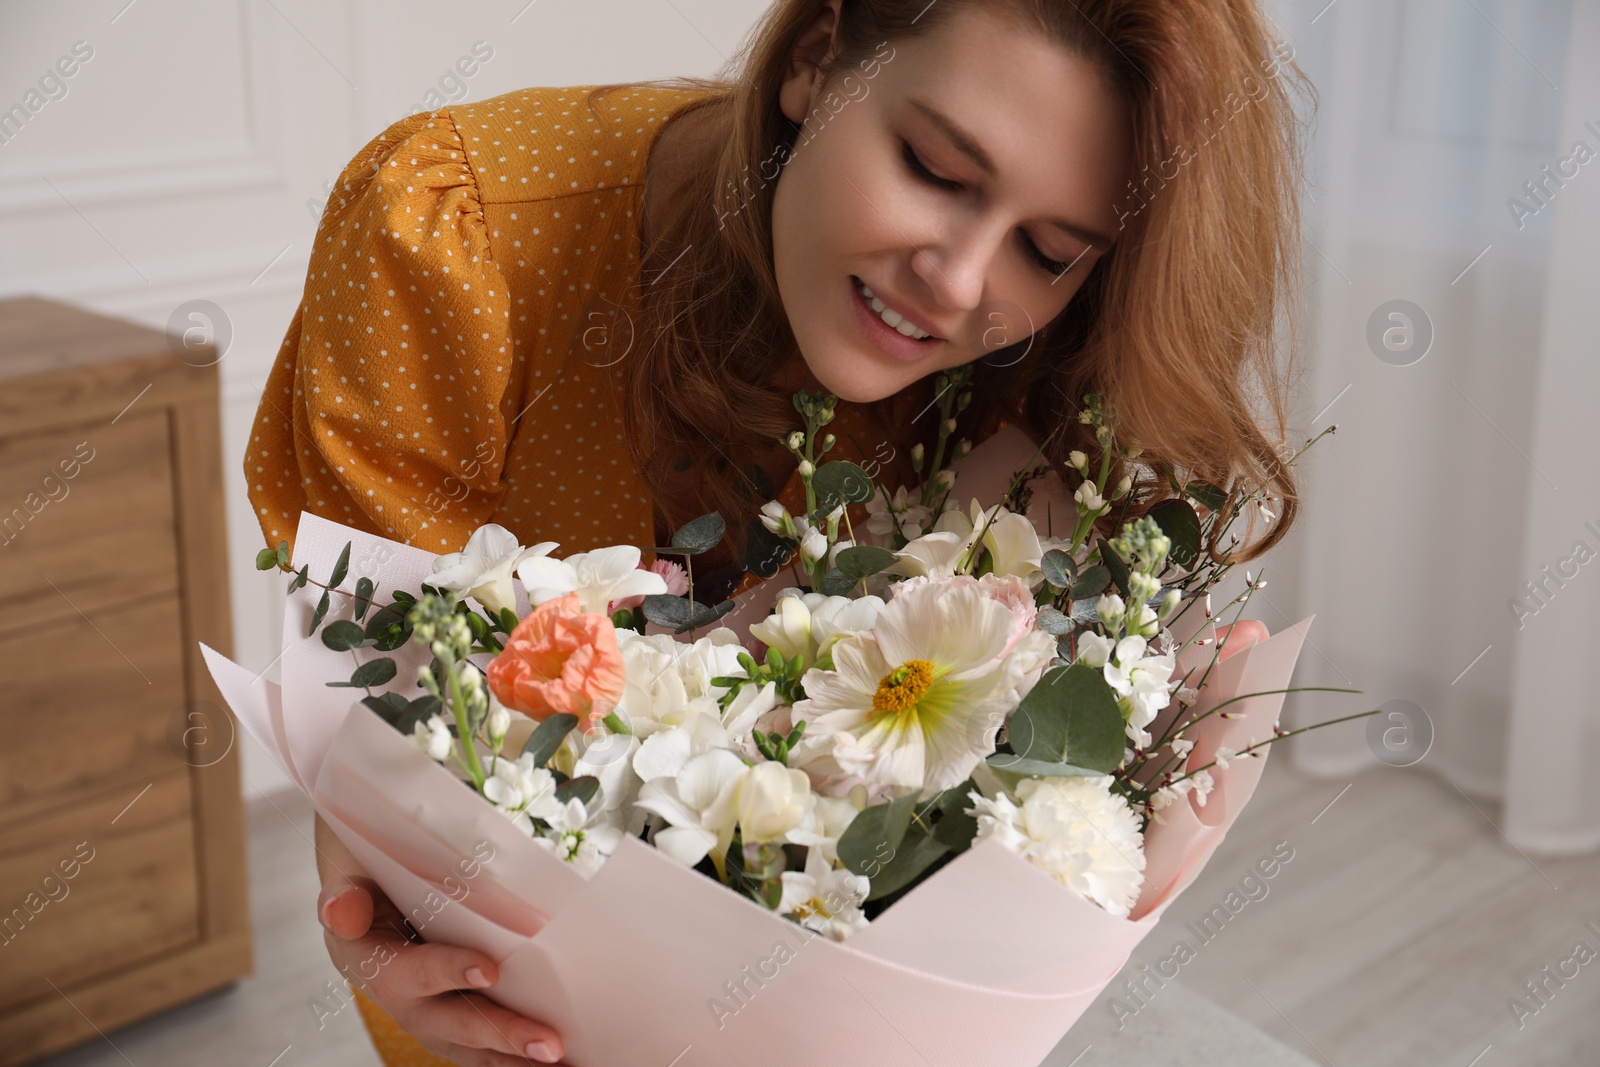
(326, 912)
(540, 1051)
(477, 978)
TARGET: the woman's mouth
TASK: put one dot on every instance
(886, 328)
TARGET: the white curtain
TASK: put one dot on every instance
(1457, 478)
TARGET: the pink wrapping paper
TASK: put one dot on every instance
(985, 964)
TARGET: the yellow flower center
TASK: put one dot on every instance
(902, 688)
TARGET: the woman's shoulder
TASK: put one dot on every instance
(541, 142)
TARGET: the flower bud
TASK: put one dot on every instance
(917, 452)
(948, 427)
(963, 446)
(1078, 461)
(806, 469)
(828, 441)
(797, 441)
(1169, 605)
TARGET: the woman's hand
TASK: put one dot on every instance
(424, 987)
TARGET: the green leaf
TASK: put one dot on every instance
(1053, 622)
(317, 616)
(1035, 768)
(299, 581)
(1092, 582)
(390, 627)
(956, 829)
(705, 616)
(1116, 565)
(547, 737)
(871, 839)
(907, 864)
(371, 673)
(1060, 569)
(1070, 716)
(861, 561)
(584, 788)
(364, 588)
(1206, 495)
(266, 559)
(1182, 526)
(700, 535)
(664, 609)
(388, 705)
(841, 482)
(421, 709)
(343, 635)
(341, 567)
(283, 553)
(763, 551)
(834, 582)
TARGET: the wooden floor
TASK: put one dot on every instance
(1398, 933)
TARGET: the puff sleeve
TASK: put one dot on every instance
(386, 407)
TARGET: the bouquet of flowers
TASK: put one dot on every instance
(970, 760)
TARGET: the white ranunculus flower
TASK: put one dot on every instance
(697, 825)
(1077, 831)
(483, 569)
(598, 577)
(824, 898)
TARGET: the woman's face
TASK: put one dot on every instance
(936, 173)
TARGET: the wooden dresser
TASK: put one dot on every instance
(122, 877)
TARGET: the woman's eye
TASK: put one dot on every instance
(1051, 266)
(921, 171)
(917, 167)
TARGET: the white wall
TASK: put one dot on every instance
(176, 162)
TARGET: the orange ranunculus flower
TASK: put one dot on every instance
(560, 659)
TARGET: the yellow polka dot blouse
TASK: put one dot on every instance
(448, 366)
(441, 371)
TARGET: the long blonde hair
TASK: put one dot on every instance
(1177, 327)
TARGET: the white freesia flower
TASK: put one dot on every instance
(483, 569)
(598, 577)
(1077, 831)
(697, 825)
(434, 738)
(813, 545)
(1088, 497)
(770, 800)
(824, 898)
(1094, 650)
(932, 554)
(808, 624)
(915, 701)
(827, 821)
(580, 837)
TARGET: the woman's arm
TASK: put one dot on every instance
(426, 988)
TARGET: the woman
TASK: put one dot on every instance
(580, 314)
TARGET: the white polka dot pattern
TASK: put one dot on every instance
(468, 294)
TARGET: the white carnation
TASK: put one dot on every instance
(1075, 830)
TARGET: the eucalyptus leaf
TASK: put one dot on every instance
(700, 535)
(1182, 526)
(421, 709)
(861, 561)
(343, 635)
(664, 609)
(841, 481)
(1035, 768)
(1053, 622)
(371, 673)
(390, 706)
(835, 582)
(1116, 565)
(871, 839)
(266, 559)
(300, 576)
(1207, 495)
(1070, 716)
(583, 787)
(705, 616)
(908, 863)
(364, 589)
(317, 615)
(547, 737)
(341, 567)
(1091, 583)
(1060, 569)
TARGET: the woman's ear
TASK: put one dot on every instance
(804, 77)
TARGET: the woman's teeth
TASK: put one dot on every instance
(890, 316)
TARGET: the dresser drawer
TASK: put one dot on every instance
(93, 704)
(86, 519)
(96, 887)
